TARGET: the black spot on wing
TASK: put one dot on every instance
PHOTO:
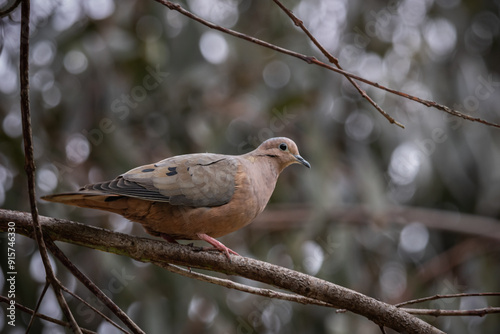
(148, 170)
(172, 171)
(113, 198)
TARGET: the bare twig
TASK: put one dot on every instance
(39, 302)
(437, 313)
(148, 250)
(10, 9)
(313, 60)
(25, 309)
(68, 291)
(29, 160)
(335, 61)
(455, 295)
(93, 288)
(241, 287)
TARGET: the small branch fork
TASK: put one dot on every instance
(312, 60)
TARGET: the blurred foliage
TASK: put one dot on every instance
(118, 84)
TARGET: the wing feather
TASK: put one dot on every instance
(191, 180)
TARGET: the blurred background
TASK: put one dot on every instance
(393, 213)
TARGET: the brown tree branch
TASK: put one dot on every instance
(29, 165)
(313, 60)
(241, 287)
(148, 250)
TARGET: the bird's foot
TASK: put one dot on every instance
(217, 244)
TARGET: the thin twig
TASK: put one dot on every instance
(313, 60)
(335, 61)
(25, 309)
(299, 23)
(437, 313)
(29, 165)
(68, 291)
(93, 288)
(39, 302)
(455, 295)
(242, 287)
(10, 9)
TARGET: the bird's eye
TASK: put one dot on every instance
(283, 147)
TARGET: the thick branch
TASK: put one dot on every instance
(148, 250)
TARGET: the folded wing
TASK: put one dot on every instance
(191, 180)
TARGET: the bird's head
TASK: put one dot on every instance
(284, 150)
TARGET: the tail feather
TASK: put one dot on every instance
(106, 202)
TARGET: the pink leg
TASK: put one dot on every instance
(217, 244)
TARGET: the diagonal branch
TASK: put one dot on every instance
(94, 289)
(313, 60)
(335, 61)
(68, 291)
(148, 250)
(37, 306)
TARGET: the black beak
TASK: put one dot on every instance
(302, 161)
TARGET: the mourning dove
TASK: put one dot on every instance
(194, 196)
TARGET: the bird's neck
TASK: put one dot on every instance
(265, 173)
